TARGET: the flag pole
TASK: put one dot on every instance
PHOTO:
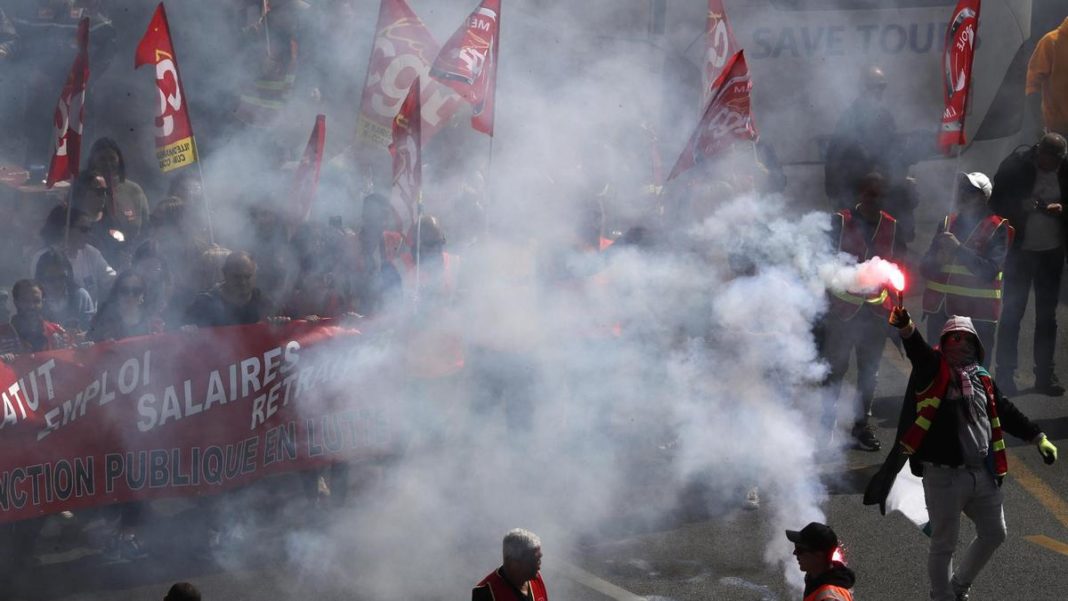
(418, 246)
(266, 27)
(204, 200)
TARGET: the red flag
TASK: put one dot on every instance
(720, 45)
(957, 80)
(175, 145)
(306, 182)
(70, 114)
(403, 49)
(468, 62)
(726, 120)
(407, 158)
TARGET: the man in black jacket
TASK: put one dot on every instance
(1031, 191)
(951, 430)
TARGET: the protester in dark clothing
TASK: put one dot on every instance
(175, 236)
(862, 141)
(826, 578)
(962, 267)
(65, 302)
(159, 286)
(182, 591)
(951, 429)
(28, 331)
(519, 578)
(127, 206)
(378, 279)
(1031, 191)
(234, 302)
(124, 313)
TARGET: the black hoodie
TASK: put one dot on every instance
(838, 575)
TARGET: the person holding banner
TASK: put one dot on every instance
(951, 428)
(234, 302)
(1031, 191)
(28, 331)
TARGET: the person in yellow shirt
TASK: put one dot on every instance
(1047, 81)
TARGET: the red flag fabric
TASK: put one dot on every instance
(403, 50)
(407, 158)
(720, 45)
(957, 68)
(175, 145)
(306, 182)
(468, 62)
(726, 120)
(70, 114)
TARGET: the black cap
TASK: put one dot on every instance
(815, 536)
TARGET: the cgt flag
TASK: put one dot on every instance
(957, 80)
(403, 49)
(175, 146)
(726, 120)
(306, 182)
(70, 114)
(407, 158)
(720, 45)
(468, 62)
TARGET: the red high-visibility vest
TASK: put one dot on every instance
(959, 292)
(502, 591)
(845, 305)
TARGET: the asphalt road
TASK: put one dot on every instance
(683, 558)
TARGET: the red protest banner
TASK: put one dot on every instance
(70, 114)
(957, 65)
(175, 146)
(720, 45)
(726, 120)
(183, 414)
(468, 62)
(403, 50)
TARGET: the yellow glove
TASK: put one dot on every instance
(1047, 450)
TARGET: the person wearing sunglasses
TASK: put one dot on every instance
(91, 270)
(124, 313)
(951, 430)
(826, 577)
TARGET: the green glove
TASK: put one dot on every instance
(1047, 450)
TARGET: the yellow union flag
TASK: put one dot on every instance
(177, 154)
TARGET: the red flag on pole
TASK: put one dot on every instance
(726, 120)
(957, 68)
(403, 50)
(306, 181)
(720, 45)
(70, 114)
(175, 145)
(407, 158)
(468, 62)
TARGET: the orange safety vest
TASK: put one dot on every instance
(929, 400)
(846, 305)
(830, 592)
(956, 290)
(502, 591)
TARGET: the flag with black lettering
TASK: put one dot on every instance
(70, 114)
(957, 72)
(468, 62)
(726, 120)
(407, 158)
(175, 145)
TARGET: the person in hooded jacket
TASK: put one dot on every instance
(826, 578)
(951, 430)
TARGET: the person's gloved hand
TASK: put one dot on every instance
(1047, 450)
(900, 318)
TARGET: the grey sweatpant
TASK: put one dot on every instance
(949, 492)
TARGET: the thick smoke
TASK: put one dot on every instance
(599, 389)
